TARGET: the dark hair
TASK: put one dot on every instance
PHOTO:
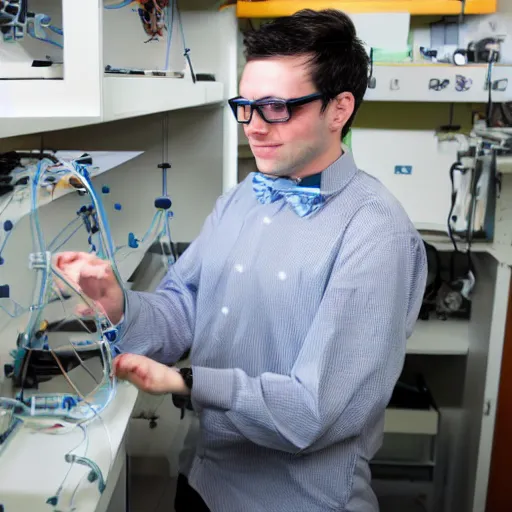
(339, 62)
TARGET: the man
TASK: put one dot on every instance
(296, 298)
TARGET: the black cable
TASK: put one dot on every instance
(457, 166)
(488, 109)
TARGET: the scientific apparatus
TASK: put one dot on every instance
(157, 17)
(60, 377)
(157, 239)
(17, 21)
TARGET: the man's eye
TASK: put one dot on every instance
(275, 107)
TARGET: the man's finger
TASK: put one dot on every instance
(68, 257)
(64, 258)
(83, 310)
(135, 380)
(126, 364)
(131, 370)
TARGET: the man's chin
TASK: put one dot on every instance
(265, 166)
(270, 167)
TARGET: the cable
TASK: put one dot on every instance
(457, 166)
(488, 110)
(170, 25)
(185, 49)
(66, 376)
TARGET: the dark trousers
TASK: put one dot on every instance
(188, 499)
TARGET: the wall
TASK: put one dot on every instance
(505, 6)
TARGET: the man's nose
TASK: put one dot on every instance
(257, 126)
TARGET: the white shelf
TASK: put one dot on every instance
(413, 83)
(13, 70)
(24, 486)
(12, 127)
(444, 244)
(411, 421)
(103, 161)
(502, 253)
(156, 94)
(438, 337)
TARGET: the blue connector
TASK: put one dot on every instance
(132, 241)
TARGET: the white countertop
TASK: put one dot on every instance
(32, 466)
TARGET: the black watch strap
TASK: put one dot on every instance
(186, 373)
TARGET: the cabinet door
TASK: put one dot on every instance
(486, 337)
(498, 493)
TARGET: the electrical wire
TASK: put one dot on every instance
(185, 49)
(488, 110)
(458, 167)
(170, 24)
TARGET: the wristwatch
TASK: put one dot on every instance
(186, 373)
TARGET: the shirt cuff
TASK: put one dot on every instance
(131, 310)
(213, 388)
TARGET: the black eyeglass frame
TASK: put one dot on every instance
(258, 104)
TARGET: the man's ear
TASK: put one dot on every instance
(341, 108)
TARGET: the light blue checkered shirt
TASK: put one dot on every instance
(297, 329)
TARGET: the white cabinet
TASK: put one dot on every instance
(76, 92)
(79, 91)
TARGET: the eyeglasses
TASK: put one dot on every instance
(271, 110)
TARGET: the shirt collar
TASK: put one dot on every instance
(335, 177)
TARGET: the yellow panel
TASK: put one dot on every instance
(278, 8)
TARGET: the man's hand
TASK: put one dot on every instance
(95, 278)
(149, 376)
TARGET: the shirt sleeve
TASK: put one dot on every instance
(351, 357)
(160, 325)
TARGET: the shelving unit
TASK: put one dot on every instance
(160, 95)
(438, 337)
(86, 94)
(114, 113)
(409, 82)
(412, 422)
(77, 95)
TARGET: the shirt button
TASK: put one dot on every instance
(282, 276)
(266, 220)
(239, 268)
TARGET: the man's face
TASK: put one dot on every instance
(293, 147)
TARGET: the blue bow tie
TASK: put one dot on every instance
(303, 200)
